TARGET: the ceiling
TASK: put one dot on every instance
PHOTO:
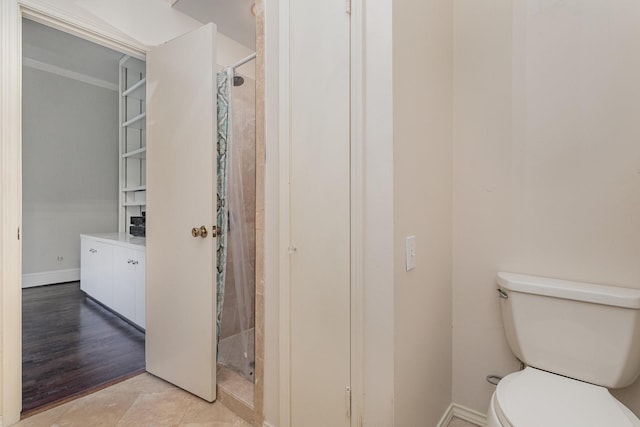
(53, 47)
(232, 17)
(50, 46)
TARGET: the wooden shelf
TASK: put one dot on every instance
(137, 91)
(132, 189)
(138, 122)
(140, 153)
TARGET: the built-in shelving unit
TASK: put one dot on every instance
(133, 148)
(113, 264)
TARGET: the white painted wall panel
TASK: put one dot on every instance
(320, 216)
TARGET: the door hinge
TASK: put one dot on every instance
(348, 399)
(347, 6)
(18, 233)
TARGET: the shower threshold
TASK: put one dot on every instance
(231, 377)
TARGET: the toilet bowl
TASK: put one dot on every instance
(535, 398)
(576, 340)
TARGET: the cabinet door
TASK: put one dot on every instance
(96, 271)
(138, 277)
(88, 265)
(124, 294)
(320, 275)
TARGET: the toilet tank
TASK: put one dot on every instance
(580, 330)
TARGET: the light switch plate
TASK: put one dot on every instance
(411, 252)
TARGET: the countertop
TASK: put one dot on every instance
(122, 239)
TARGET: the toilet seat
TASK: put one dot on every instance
(535, 398)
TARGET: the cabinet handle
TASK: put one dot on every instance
(134, 262)
(93, 251)
(129, 261)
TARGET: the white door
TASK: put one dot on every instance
(320, 214)
(181, 178)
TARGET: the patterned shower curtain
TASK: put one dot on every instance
(225, 80)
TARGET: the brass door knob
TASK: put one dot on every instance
(199, 232)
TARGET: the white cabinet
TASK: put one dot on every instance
(112, 272)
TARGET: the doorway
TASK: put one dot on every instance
(11, 193)
(70, 163)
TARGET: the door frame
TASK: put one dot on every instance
(357, 206)
(11, 14)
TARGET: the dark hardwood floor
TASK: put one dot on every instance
(72, 345)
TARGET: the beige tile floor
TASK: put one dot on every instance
(138, 402)
(142, 401)
(457, 422)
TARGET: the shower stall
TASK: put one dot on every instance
(236, 219)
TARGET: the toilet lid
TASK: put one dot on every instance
(535, 398)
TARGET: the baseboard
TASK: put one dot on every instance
(444, 421)
(50, 277)
(469, 415)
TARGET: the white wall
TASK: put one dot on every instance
(229, 51)
(70, 168)
(377, 222)
(422, 132)
(546, 172)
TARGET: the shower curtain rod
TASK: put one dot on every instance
(242, 61)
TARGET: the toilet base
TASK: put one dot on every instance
(492, 416)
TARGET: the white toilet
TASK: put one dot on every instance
(576, 340)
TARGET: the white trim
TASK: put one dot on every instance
(469, 415)
(63, 72)
(31, 280)
(60, 19)
(265, 424)
(284, 130)
(10, 211)
(357, 214)
(446, 417)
